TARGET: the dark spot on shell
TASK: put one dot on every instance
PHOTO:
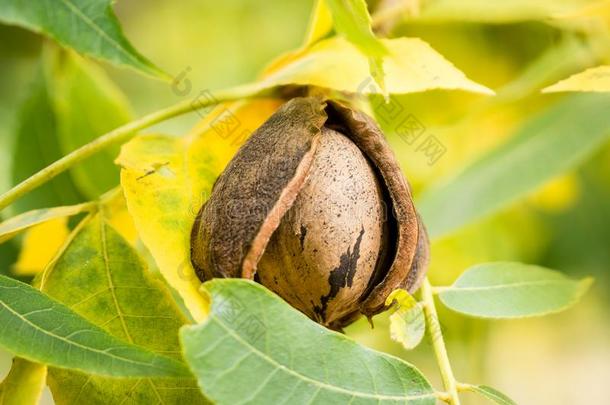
(341, 276)
(302, 237)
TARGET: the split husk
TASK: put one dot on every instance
(315, 207)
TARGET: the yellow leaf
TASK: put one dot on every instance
(24, 383)
(557, 195)
(352, 21)
(407, 321)
(13, 226)
(40, 245)
(584, 9)
(411, 66)
(117, 215)
(320, 23)
(167, 179)
(594, 79)
(243, 116)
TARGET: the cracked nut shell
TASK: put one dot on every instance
(315, 206)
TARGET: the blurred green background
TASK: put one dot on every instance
(512, 48)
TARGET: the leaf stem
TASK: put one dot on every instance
(438, 344)
(122, 134)
(465, 387)
(442, 396)
(439, 289)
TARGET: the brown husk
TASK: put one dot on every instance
(262, 181)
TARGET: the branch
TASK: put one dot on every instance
(120, 135)
(438, 344)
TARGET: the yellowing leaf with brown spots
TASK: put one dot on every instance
(167, 179)
(102, 278)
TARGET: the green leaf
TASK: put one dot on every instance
(9, 253)
(595, 79)
(546, 146)
(37, 146)
(86, 104)
(102, 278)
(255, 348)
(512, 290)
(87, 26)
(41, 329)
(491, 394)
(19, 223)
(24, 383)
(407, 321)
(352, 20)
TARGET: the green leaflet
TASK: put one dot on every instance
(24, 383)
(72, 102)
(102, 278)
(88, 26)
(37, 146)
(13, 226)
(512, 290)
(86, 105)
(9, 254)
(492, 394)
(255, 348)
(547, 146)
(41, 329)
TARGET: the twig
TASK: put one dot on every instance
(119, 135)
(438, 344)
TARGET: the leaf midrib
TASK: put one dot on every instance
(109, 276)
(111, 287)
(455, 288)
(318, 383)
(75, 10)
(70, 342)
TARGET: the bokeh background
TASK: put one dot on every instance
(511, 47)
